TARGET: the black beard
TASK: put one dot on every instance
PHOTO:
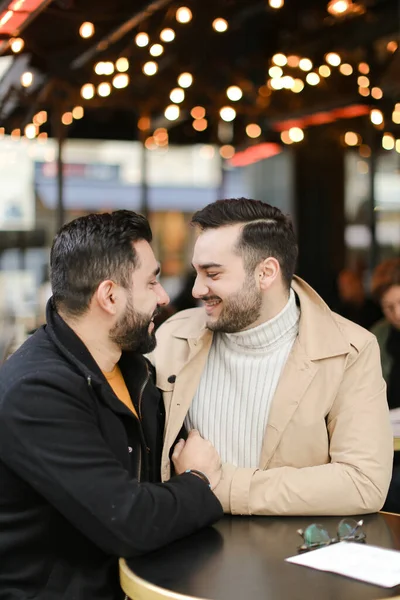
(131, 333)
(239, 311)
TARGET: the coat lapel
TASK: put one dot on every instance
(297, 375)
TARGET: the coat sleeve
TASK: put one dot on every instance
(356, 480)
(51, 440)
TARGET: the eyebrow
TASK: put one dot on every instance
(156, 272)
(210, 265)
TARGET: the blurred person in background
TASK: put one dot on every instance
(81, 425)
(290, 393)
(353, 303)
(385, 287)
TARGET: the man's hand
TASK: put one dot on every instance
(197, 453)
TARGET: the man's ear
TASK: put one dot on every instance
(267, 272)
(107, 296)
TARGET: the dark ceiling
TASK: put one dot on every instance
(240, 56)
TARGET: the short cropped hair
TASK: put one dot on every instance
(267, 232)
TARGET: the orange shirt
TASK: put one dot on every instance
(117, 383)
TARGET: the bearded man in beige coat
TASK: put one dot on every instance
(290, 394)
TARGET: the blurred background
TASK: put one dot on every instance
(165, 106)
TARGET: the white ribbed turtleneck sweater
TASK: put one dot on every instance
(232, 402)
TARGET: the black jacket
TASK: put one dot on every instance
(70, 457)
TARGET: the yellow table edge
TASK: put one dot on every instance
(137, 588)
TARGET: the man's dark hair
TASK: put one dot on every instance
(91, 249)
(267, 231)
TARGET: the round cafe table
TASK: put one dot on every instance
(242, 558)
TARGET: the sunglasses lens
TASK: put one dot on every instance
(316, 535)
(349, 529)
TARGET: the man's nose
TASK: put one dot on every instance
(199, 289)
(162, 297)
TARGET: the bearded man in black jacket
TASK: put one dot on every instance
(81, 425)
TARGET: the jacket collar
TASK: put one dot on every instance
(319, 333)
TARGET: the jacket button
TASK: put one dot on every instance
(129, 449)
(171, 379)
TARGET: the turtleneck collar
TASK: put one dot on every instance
(270, 334)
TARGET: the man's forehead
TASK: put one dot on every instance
(216, 245)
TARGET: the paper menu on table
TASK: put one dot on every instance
(359, 561)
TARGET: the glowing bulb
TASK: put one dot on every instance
(86, 30)
(227, 151)
(30, 131)
(286, 139)
(363, 68)
(200, 124)
(227, 113)
(338, 7)
(150, 68)
(234, 93)
(108, 68)
(287, 82)
(172, 112)
(296, 134)
(276, 83)
(156, 49)
(104, 89)
(120, 81)
(185, 80)
(398, 146)
(346, 69)
(363, 81)
(351, 138)
(388, 141)
(376, 93)
(253, 130)
(142, 39)
(67, 119)
(183, 14)
(363, 91)
(78, 112)
(396, 117)
(305, 64)
(122, 64)
(324, 71)
(87, 91)
(313, 79)
(298, 86)
(167, 35)
(376, 116)
(16, 44)
(276, 3)
(99, 68)
(220, 25)
(177, 95)
(26, 79)
(275, 72)
(293, 61)
(279, 59)
(333, 59)
(198, 112)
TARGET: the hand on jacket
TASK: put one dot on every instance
(197, 453)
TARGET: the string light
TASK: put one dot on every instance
(305, 64)
(275, 72)
(363, 91)
(376, 93)
(16, 134)
(338, 7)
(388, 141)
(276, 3)
(86, 30)
(253, 130)
(156, 49)
(167, 35)
(276, 83)
(40, 118)
(150, 68)
(363, 81)
(200, 124)
(313, 79)
(397, 147)
(333, 59)
(16, 45)
(227, 151)
(296, 134)
(396, 115)
(2, 132)
(346, 69)
(376, 116)
(185, 80)
(99, 68)
(183, 14)
(142, 39)
(365, 151)
(177, 95)
(198, 112)
(31, 131)
(104, 89)
(144, 124)
(293, 61)
(392, 46)
(351, 138)
(122, 64)
(220, 25)
(324, 71)
(286, 139)
(120, 81)
(87, 91)
(78, 112)
(234, 93)
(227, 113)
(287, 82)
(26, 79)
(279, 59)
(298, 86)
(172, 112)
(67, 118)
(363, 68)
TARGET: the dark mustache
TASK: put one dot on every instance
(208, 298)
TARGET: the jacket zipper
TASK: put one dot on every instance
(143, 387)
